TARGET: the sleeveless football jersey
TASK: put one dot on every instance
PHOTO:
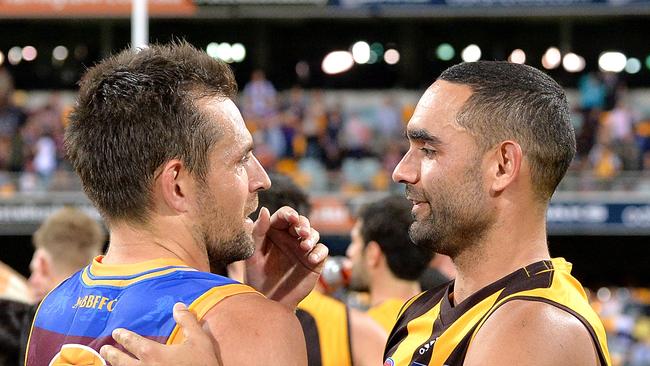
(385, 314)
(431, 331)
(324, 321)
(77, 318)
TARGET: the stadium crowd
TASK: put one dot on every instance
(307, 136)
(304, 135)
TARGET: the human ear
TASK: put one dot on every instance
(505, 165)
(175, 184)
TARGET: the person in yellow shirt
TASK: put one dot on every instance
(384, 260)
(335, 334)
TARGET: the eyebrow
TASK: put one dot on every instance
(248, 148)
(422, 135)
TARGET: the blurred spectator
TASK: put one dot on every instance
(331, 139)
(45, 161)
(625, 314)
(356, 137)
(620, 125)
(389, 121)
(587, 136)
(592, 92)
(604, 161)
(314, 125)
(11, 117)
(259, 97)
(643, 140)
(65, 242)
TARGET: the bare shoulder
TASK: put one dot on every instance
(368, 339)
(251, 329)
(362, 323)
(532, 333)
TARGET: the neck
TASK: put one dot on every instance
(504, 249)
(385, 286)
(137, 243)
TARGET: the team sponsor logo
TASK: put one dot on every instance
(389, 362)
(95, 302)
(426, 347)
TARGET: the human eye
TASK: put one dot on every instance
(428, 152)
(246, 158)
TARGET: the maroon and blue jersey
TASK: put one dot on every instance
(77, 318)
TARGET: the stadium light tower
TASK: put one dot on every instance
(139, 24)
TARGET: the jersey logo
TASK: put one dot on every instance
(389, 362)
(427, 346)
(77, 354)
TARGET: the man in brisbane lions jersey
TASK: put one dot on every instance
(164, 154)
(489, 143)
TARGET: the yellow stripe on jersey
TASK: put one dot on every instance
(126, 282)
(386, 313)
(448, 341)
(331, 317)
(98, 268)
(207, 301)
(419, 331)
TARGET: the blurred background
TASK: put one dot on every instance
(326, 88)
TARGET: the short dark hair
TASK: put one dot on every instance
(519, 102)
(387, 222)
(283, 192)
(137, 110)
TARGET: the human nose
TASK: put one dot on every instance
(406, 171)
(258, 179)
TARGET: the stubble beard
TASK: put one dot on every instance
(457, 220)
(359, 279)
(224, 241)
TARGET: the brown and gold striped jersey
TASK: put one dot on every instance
(431, 331)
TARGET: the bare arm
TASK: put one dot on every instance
(252, 330)
(368, 340)
(532, 333)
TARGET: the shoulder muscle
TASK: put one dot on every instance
(532, 333)
(250, 329)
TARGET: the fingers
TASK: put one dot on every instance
(116, 357)
(187, 321)
(286, 218)
(317, 257)
(262, 224)
(308, 243)
(260, 229)
(138, 346)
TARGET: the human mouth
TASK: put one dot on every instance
(418, 206)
